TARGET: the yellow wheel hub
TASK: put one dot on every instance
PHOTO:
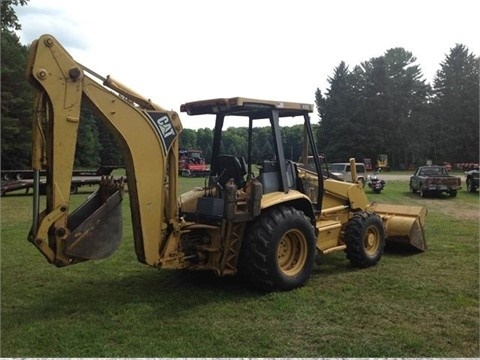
(292, 252)
(372, 240)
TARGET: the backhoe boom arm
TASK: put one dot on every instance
(148, 136)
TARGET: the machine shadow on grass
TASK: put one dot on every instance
(161, 293)
(160, 290)
(399, 250)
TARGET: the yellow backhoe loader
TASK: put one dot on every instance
(267, 224)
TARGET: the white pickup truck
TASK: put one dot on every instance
(343, 171)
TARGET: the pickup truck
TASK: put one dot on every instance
(434, 180)
(342, 172)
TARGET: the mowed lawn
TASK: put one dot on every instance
(409, 305)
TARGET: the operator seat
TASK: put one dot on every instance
(230, 167)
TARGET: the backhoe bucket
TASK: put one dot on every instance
(97, 227)
(403, 224)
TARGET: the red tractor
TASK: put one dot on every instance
(192, 163)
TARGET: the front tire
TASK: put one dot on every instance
(278, 251)
(365, 239)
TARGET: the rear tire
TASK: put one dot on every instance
(365, 239)
(453, 193)
(278, 251)
(412, 190)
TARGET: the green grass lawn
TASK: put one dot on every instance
(409, 305)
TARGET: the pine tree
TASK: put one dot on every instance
(392, 96)
(406, 96)
(339, 126)
(456, 88)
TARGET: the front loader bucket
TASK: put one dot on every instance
(403, 224)
(96, 228)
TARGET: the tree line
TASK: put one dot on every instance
(382, 105)
(234, 141)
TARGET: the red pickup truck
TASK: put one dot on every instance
(434, 180)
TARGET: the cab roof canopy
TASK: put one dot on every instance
(239, 106)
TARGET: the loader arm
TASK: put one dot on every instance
(148, 136)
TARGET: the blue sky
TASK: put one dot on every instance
(174, 51)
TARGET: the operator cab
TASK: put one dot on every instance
(273, 171)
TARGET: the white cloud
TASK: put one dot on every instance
(34, 19)
(175, 51)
